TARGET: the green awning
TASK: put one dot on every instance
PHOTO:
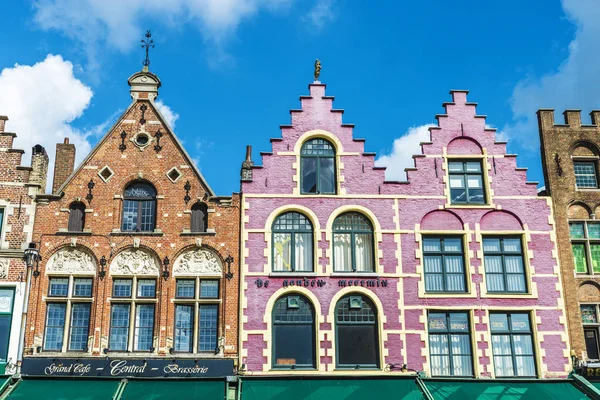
(329, 389)
(503, 390)
(65, 389)
(158, 389)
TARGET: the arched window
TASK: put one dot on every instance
(293, 332)
(76, 217)
(139, 208)
(352, 243)
(199, 221)
(317, 166)
(292, 243)
(356, 332)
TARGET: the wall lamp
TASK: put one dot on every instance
(32, 257)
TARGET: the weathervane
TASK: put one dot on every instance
(146, 44)
(317, 69)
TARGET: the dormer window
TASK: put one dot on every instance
(466, 182)
(139, 208)
(199, 219)
(76, 217)
(317, 167)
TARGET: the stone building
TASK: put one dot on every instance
(18, 187)
(138, 274)
(570, 154)
(344, 274)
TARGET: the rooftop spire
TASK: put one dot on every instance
(317, 69)
(147, 43)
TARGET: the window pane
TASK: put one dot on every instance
(58, 287)
(512, 245)
(186, 288)
(80, 323)
(455, 166)
(458, 193)
(207, 328)
(122, 287)
(119, 327)
(593, 230)
(491, 245)
(459, 322)
(209, 289)
(363, 252)
(576, 230)
(130, 215)
(493, 264)
(317, 147)
(434, 280)
(579, 258)
(144, 327)
(452, 245)
(473, 166)
(499, 322)
(146, 288)
(147, 222)
(82, 287)
(308, 166)
(357, 344)
(585, 174)
(5, 321)
(327, 175)
(282, 245)
(55, 325)
(588, 314)
(519, 323)
(140, 190)
(437, 322)
(294, 344)
(432, 245)
(184, 316)
(342, 248)
(304, 252)
(595, 256)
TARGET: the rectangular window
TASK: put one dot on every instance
(80, 326)
(504, 269)
(585, 245)
(184, 322)
(59, 287)
(130, 215)
(209, 289)
(82, 287)
(147, 223)
(146, 288)
(450, 344)
(443, 260)
(186, 289)
(207, 327)
(591, 327)
(466, 182)
(144, 327)
(55, 326)
(119, 327)
(122, 287)
(6, 310)
(585, 174)
(512, 345)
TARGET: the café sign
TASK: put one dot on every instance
(126, 368)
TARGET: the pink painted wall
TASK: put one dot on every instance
(459, 132)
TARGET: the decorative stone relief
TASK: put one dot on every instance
(134, 262)
(4, 263)
(198, 262)
(71, 260)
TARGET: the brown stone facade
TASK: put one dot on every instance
(577, 206)
(140, 148)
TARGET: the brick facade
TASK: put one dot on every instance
(140, 147)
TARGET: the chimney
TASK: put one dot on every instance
(3, 119)
(39, 165)
(246, 172)
(63, 164)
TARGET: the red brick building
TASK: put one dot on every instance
(139, 257)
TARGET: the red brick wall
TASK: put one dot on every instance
(64, 163)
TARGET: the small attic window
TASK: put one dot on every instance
(174, 174)
(106, 173)
(141, 139)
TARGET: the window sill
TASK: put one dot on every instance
(119, 233)
(184, 233)
(474, 205)
(365, 368)
(74, 233)
(292, 369)
(588, 189)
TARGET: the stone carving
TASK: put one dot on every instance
(71, 260)
(4, 263)
(198, 262)
(134, 262)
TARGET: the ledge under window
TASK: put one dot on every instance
(187, 232)
(74, 233)
(132, 233)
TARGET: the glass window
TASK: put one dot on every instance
(209, 289)
(353, 243)
(292, 243)
(466, 182)
(317, 166)
(139, 208)
(512, 345)
(186, 288)
(589, 318)
(146, 288)
(585, 174)
(6, 310)
(504, 269)
(80, 325)
(76, 217)
(585, 245)
(144, 327)
(293, 333)
(199, 219)
(357, 343)
(208, 327)
(59, 287)
(450, 344)
(122, 287)
(184, 322)
(82, 287)
(119, 327)
(443, 260)
(55, 326)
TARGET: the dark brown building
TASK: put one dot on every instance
(570, 158)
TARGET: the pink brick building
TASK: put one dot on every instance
(453, 273)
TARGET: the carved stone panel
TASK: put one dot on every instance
(134, 262)
(71, 260)
(198, 262)
(4, 263)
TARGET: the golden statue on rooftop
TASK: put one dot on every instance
(317, 69)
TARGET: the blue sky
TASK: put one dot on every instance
(231, 69)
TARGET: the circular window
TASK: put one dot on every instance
(141, 139)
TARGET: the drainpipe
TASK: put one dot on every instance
(23, 320)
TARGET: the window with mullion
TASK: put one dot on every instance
(585, 245)
(353, 244)
(293, 333)
(317, 166)
(443, 260)
(80, 323)
(466, 182)
(139, 208)
(144, 327)
(450, 344)
(504, 265)
(292, 243)
(591, 330)
(119, 326)
(512, 345)
(585, 174)
(55, 326)
(357, 343)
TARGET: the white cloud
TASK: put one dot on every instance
(403, 149)
(41, 101)
(320, 14)
(574, 84)
(170, 116)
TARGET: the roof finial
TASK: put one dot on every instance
(317, 69)
(147, 44)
